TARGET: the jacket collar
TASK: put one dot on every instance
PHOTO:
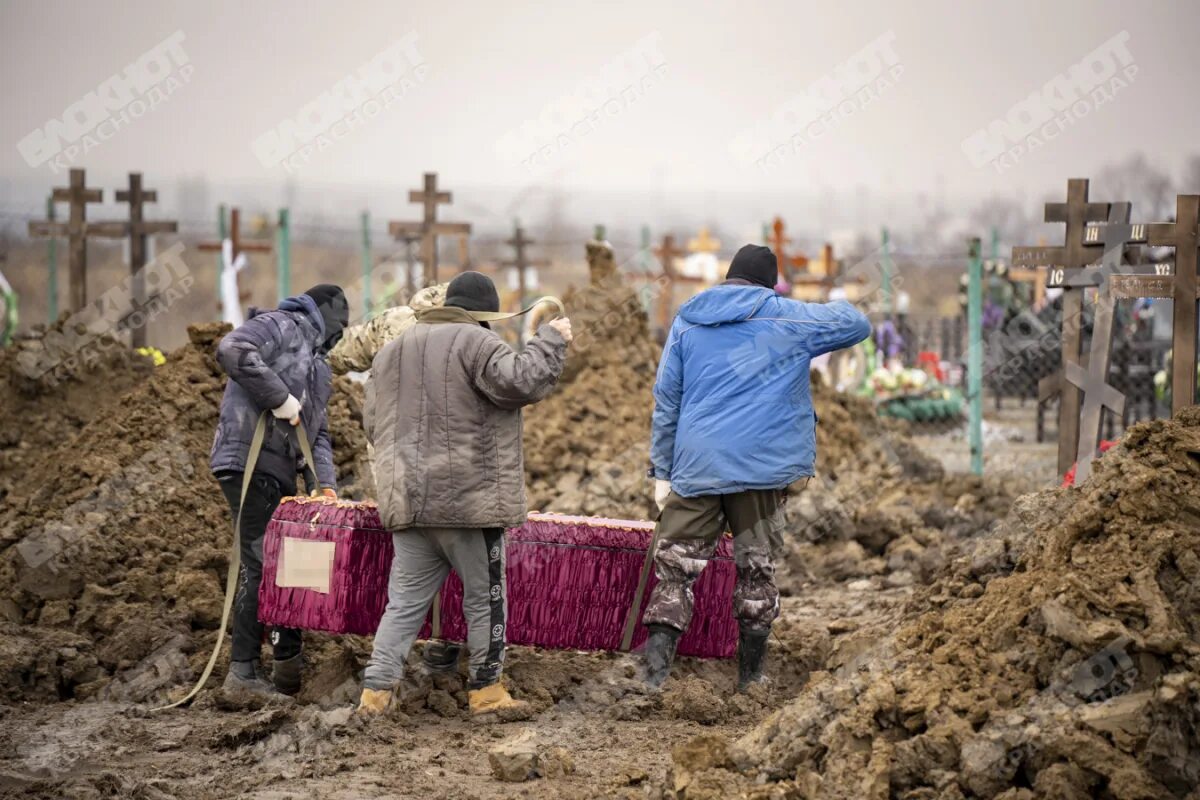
(441, 315)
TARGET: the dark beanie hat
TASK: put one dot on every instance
(473, 291)
(756, 264)
(335, 311)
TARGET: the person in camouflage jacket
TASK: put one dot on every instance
(357, 349)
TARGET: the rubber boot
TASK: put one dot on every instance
(752, 657)
(440, 656)
(493, 698)
(660, 652)
(374, 702)
(249, 676)
(285, 674)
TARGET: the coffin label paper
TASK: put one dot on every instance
(305, 564)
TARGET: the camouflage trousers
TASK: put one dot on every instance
(689, 531)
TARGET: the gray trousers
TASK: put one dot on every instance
(422, 559)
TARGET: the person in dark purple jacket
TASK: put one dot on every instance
(275, 362)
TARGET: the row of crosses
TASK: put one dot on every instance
(1116, 272)
(78, 230)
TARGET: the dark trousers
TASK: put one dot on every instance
(689, 531)
(261, 500)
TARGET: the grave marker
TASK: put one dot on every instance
(788, 265)
(1076, 212)
(1184, 235)
(139, 230)
(238, 247)
(77, 230)
(667, 253)
(429, 228)
(520, 261)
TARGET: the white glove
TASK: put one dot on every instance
(290, 410)
(662, 490)
(563, 326)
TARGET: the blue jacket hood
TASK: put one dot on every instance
(304, 304)
(726, 303)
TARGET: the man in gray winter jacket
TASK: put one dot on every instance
(443, 411)
(275, 362)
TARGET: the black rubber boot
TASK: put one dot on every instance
(249, 676)
(660, 652)
(441, 657)
(752, 657)
(285, 674)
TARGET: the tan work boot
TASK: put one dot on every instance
(495, 698)
(374, 702)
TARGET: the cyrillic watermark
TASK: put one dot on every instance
(845, 91)
(567, 120)
(143, 85)
(349, 104)
(87, 332)
(1060, 103)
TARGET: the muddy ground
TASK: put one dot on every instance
(618, 737)
(928, 618)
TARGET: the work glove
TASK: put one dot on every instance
(290, 410)
(563, 326)
(662, 490)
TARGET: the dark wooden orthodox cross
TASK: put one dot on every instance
(77, 230)
(428, 229)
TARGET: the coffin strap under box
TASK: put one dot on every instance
(570, 580)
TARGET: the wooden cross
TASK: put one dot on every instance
(464, 253)
(428, 229)
(667, 252)
(1076, 213)
(1097, 393)
(1176, 281)
(829, 267)
(239, 246)
(77, 230)
(518, 243)
(410, 264)
(1184, 235)
(138, 231)
(788, 265)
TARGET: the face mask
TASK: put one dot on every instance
(331, 341)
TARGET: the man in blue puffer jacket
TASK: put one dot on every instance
(275, 362)
(733, 427)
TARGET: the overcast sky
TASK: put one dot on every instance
(699, 79)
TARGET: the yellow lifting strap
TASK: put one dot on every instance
(496, 316)
(235, 561)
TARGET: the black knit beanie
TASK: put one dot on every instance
(335, 311)
(756, 264)
(473, 291)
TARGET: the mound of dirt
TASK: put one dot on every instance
(587, 445)
(879, 507)
(54, 381)
(114, 542)
(1059, 658)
